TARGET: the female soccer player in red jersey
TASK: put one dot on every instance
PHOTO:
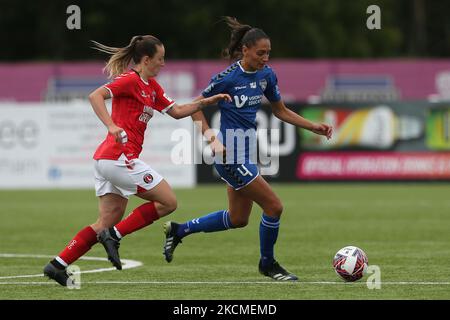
(119, 172)
(247, 80)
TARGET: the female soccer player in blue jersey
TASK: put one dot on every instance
(246, 81)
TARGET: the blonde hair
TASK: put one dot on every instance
(120, 58)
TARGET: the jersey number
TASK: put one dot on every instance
(245, 172)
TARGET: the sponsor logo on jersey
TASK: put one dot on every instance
(240, 101)
(240, 87)
(253, 85)
(146, 115)
(148, 178)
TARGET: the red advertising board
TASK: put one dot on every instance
(373, 166)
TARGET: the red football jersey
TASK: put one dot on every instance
(133, 102)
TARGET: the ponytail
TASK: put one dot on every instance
(241, 34)
(120, 58)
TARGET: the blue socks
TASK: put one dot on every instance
(220, 220)
(215, 221)
(268, 234)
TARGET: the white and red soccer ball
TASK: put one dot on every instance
(350, 263)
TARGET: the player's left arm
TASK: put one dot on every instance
(283, 113)
(184, 110)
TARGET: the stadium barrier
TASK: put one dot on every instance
(50, 145)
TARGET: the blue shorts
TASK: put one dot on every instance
(237, 175)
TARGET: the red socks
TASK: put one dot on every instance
(78, 246)
(141, 217)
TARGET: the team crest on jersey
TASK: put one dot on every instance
(263, 84)
(148, 178)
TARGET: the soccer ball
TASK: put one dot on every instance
(350, 263)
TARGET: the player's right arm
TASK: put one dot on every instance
(218, 84)
(97, 99)
(202, 124)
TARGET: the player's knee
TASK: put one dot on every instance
(172, 206)
(239, 222)
(169, 206)
(275, 209)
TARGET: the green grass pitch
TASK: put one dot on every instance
(403, 228)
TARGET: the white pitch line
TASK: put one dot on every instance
(126, 264)
(129, 264)
(299, 283)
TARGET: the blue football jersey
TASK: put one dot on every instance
(238, 117)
